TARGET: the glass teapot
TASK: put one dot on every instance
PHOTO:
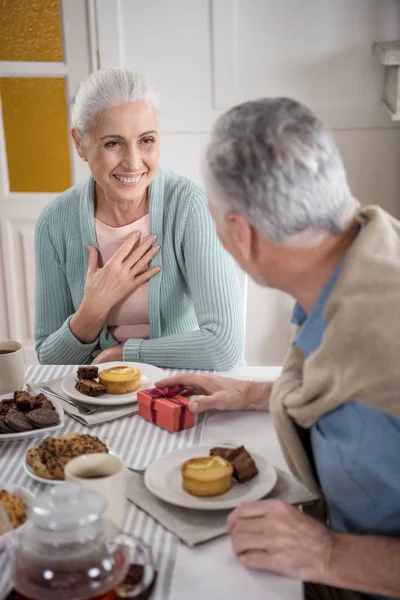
(68, 551)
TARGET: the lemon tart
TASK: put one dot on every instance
(120, 380)
(207, 476)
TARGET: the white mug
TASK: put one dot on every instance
(106, 475)
(11, 366)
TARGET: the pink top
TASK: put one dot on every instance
(130, 317)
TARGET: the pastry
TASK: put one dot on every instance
(49, 458)
(43, 417)
(120, 380)
(244, 467)
(90, 387)
(14, 506)
(206, 476)
(17, 421)
(87, 373)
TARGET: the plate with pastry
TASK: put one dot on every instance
(24, 415)
(110, 383)
(17, 502)
(209, 478)
(45, 462)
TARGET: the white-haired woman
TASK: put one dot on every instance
(128, 264)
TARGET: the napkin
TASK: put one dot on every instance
(102, 415)
(197, 526)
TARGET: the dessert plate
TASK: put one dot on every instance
(29, 471)
(23, 435)
(149, 374)
(163, 478)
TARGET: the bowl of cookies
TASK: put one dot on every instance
(17, 503)
(24, 415)
(45, 462)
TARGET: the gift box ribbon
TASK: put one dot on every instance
(168, 394)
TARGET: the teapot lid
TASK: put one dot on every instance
(67, 506)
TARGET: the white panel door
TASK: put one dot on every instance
(19, 211)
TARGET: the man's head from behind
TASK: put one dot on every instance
(276, 185)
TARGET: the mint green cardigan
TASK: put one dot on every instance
(195, 307)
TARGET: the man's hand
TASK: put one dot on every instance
(220, 393)
(116, 353)
(273, 536)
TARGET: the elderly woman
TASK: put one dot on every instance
(128, 263)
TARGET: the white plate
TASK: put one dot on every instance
(29, 471)
(163, 478)
(28, 497)
(149, 374)
(23, 435)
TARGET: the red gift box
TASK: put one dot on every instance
(165, 408)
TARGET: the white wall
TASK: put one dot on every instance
(205, 55)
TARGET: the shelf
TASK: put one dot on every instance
(388, 53)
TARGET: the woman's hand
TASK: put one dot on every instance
(114, 354)
(221, 393)
(122, 274)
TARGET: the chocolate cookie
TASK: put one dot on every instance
(52, 446)
(86, 444)
(32, 456)
(89, 387)
(46, 403)
(4, 428)
(87, 372)
(18, 421)
(43, 417)
(56, 465)
(6, 406)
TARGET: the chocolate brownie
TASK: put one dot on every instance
(43, 417)
(87, 373)
(244, 467)
(89, 387)
(24, 402)
(6, 406)
(18, 421)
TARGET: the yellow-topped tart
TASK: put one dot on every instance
(206, 476)
(120, 380)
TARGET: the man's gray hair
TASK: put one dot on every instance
(106, 88)
(275, 163)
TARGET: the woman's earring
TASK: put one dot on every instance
(84, 158)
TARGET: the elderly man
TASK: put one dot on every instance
(278, 193)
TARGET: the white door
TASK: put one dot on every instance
(19, 210)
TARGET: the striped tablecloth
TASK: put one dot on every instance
(137, 443)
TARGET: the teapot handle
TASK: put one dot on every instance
(139, 557)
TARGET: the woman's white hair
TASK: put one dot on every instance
(106, 88)
(275, 163)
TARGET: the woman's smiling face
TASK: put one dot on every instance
(123, 150)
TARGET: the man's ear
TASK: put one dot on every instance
(242, 234)
(78, 142)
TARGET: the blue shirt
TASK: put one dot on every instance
(356, 448)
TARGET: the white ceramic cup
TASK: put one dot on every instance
(106, 475)
(11, 366)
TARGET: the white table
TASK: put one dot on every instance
(210, 571)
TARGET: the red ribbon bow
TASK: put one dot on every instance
(168, 394)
